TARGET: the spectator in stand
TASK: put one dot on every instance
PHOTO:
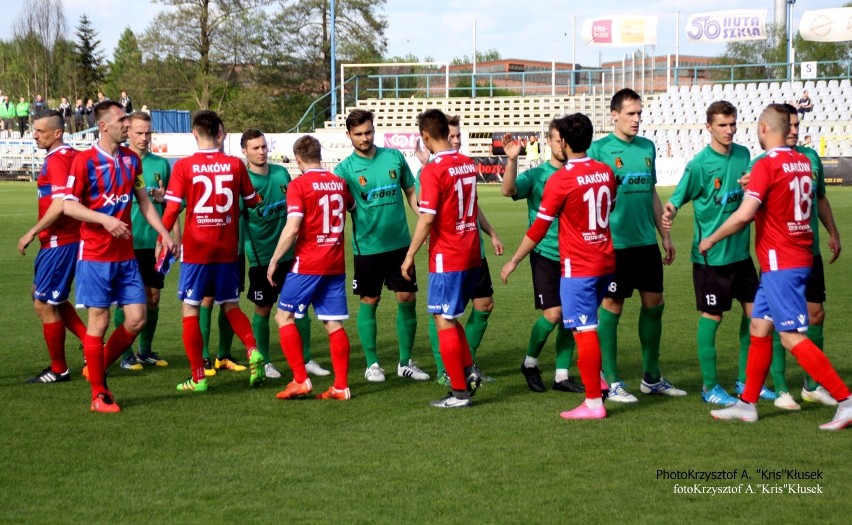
(126, 103)
(22, 111)
(533, 151)
(102, 97)
(807, 143)
(39, 107)
(65, 110)
(79, 116)
(7, 113)
(804, 104)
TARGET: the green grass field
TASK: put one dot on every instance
(237, 454)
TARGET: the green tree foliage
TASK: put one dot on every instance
(489, 55)
(37, 30)
(126, 70)
(90, 58)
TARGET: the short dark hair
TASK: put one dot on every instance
(577, 131)
(434, 122)
(308, 149)
(102, 108)
(357, 117)
(720, 107)
(619, 98)
(454, 120)
(140, 115)
(207, 123)
(249, 134)
(56, 117)
(792, 109)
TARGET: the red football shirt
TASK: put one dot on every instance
(782, 182)
(210, 182)
(581, 195)
(104, 183)
(448, 191)
(321, 199)
(51, 185)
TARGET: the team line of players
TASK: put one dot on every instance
(594, 262)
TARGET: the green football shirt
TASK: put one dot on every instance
(634, 165)
(818, 177)
(378, 186)
(710, 181)
(154, 170)
(263, 224)
(530, 186)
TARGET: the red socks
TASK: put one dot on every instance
(72, 320)
(589, 361)
(54, 336)
(466, 356)
(338, 343)
(450, 346)
(817, 365)
(93, 350)
(118, 342)
(192, 345)
(291, 345)
(242, 327)
(757, 366)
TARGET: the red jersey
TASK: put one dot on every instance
(321, 199)
(782, 182)
(582, 195)
(51, 185)
(209, 181)
(448, 191)
(104, 184)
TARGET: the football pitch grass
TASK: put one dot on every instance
(236, 454)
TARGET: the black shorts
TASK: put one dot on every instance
(484, 288)
(262, 293)
(716, 287)
(151, 278)
(545, 278)
(637, 268)
(373, 271)
(815, 289)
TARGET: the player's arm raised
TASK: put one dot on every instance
(513, 150)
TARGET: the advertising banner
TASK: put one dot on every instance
(620, 30)
(827, 25)
(727, 26)
(838, 171)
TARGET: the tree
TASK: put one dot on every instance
(37, 30)
(489, 55)
(90, 58)
(126, 68)
(208, 39)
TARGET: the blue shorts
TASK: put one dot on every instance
(219, 280)
(101, 284)
(326, 292)
(581, 297)
(781, 299)
(54, 272)
(449, 292)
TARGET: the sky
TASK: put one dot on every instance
(541, 30)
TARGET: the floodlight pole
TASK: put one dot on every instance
(333, 54)
(791, 65)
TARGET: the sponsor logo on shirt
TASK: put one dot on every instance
(717, 183)
(392, 174)
(728, 197)
(112, 199)
(619, 163)
(362, 180)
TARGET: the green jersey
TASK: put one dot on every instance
(263, 224)
(378, 186)
(634, 164)
(154, 170)
(530, 186)
(711, 182)
(818, 176)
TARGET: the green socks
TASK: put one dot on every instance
(474, 329)
(745, 342)
(778, 367)
(433, 342)
(406, 328)
(303, 325)
(608, 335)
(260, 328)
(146, 337)
(650, 332)
(564, 348)
(814, 334)
(205, 320)
(707, 351)
(367, 332)
(538, 336)
(226, 334)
